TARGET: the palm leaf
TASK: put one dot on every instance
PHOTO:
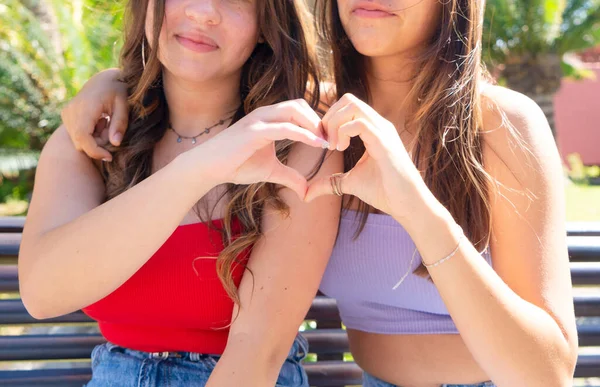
(38, 73)
(516, 28)
(582, 33)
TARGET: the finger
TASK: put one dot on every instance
(91, 148)
(362, 128)
(101, 124)
(329, 134)
(347, 104)
(288, 131)
(310, 112)
(297, 112)
(342, 102)
(118, 121)
(290, 178)
(318, 187)
(78, 130)
(102, 138)
(348, 113)
(324, 186)
(101, 130)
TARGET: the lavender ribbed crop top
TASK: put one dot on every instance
(361, 274)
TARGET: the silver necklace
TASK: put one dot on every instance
(207, 130)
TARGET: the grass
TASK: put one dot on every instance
(583, 203)
(13, 207)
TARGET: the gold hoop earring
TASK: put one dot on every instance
(144, 53)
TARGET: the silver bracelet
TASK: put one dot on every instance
(460, 239)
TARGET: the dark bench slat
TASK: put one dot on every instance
(583, 228)
(327, 341)
(321, 374)
(9, 245)
(584, 252)
(588, 366)
(79, 346)
(587, 305)
(585, 273)
(12, 223)
(16, 223)
(73, 377)
(581, 248)
(582, 273)
(9, 281)
(48, 347)
(589, 335)
(584, 248)
(12, 312)
(333, 373)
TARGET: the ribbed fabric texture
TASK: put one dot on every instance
(361, 274)
(175, 302)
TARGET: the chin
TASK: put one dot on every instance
(195, 72)
(372, 47)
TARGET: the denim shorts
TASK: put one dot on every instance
(372, 381)
(115, 366)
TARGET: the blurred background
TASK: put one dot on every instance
(546, 49)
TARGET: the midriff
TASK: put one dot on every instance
(415, 360)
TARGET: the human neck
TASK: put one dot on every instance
(390, 83)
(196, 106)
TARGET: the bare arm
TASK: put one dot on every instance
(287, 264)
(517, 320)
(76, 250)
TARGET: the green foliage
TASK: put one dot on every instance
(580, 173)
(48, 49)
(513, 28)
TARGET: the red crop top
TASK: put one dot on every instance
(175, 302)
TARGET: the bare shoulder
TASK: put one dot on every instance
(60, 145)
(60, 149)
(516, 137)
(67, 184)
(502, 106)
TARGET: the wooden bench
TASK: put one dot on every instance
(328, 342)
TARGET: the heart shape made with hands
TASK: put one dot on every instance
(385, 158)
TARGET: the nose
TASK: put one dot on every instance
(203, 12)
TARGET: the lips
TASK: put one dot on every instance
(372, 10)
(197, 42)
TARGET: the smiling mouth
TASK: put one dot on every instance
(370, 10)
(201, 46)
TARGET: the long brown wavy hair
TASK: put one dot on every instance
(447, 121)
(281, 68)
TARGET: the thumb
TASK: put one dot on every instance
(327, 185)
(118, 121)
(290, 178)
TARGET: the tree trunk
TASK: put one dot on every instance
(538, 77)
(44, 12)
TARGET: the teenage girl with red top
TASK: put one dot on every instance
(182, 244)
